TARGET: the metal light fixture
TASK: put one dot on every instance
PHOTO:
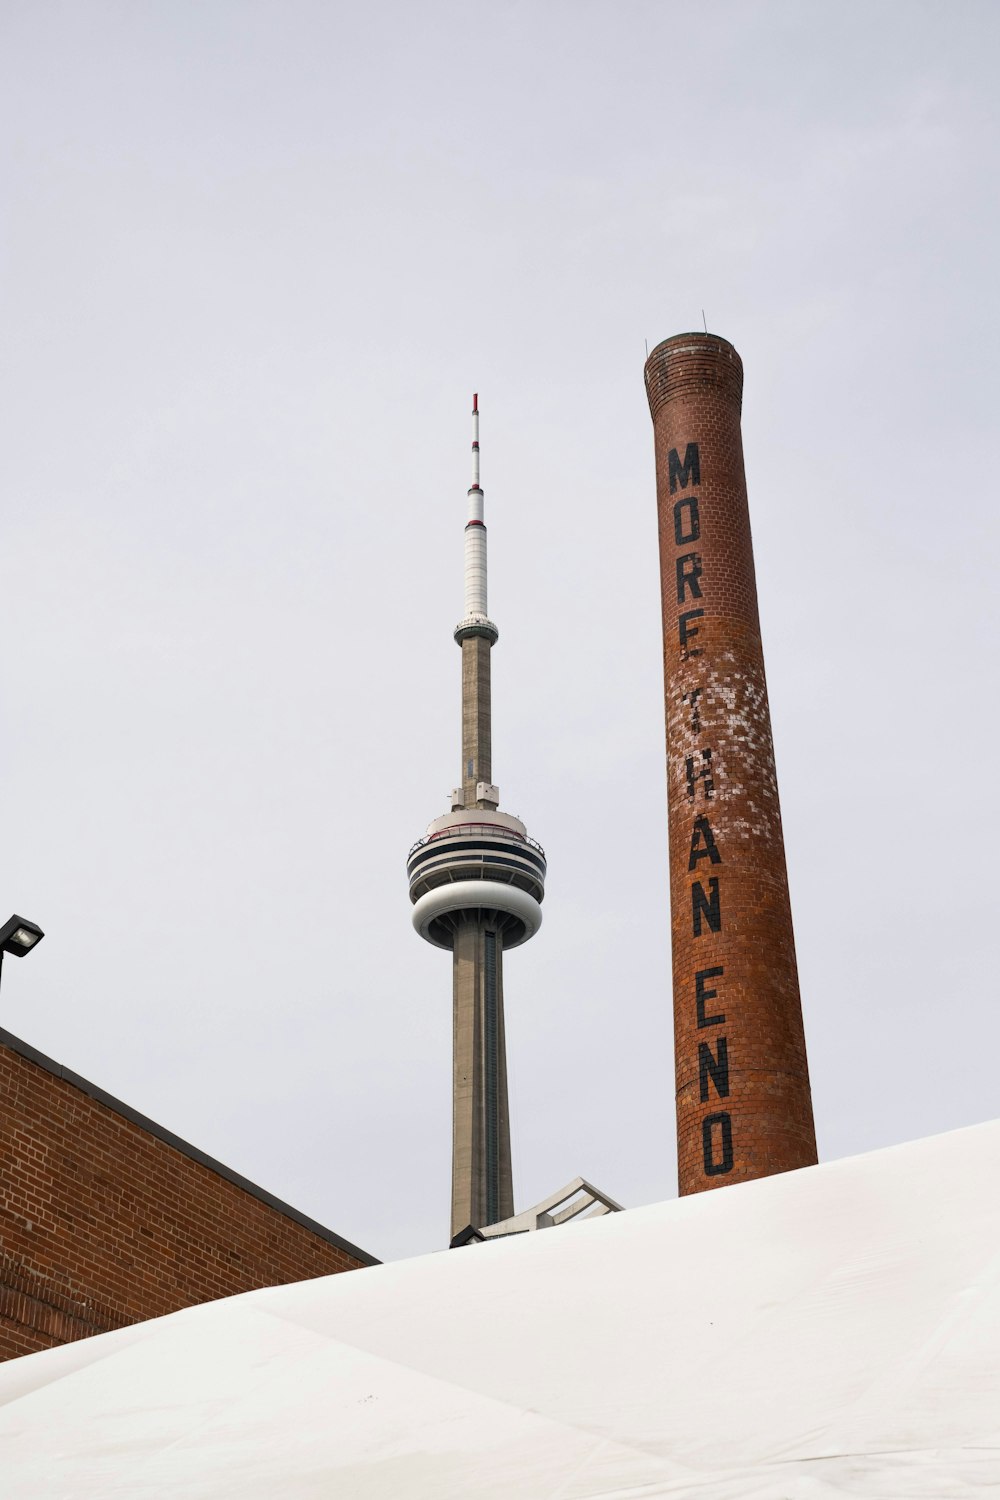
(19, 936)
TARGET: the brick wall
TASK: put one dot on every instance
(106, 1219)
(743, 1100)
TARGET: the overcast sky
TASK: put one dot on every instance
(255, 259)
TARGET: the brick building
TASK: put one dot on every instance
(107, 1219)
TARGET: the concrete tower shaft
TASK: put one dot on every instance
(476, 883)
(477, 723)
(744, 1107)
(482, 1184)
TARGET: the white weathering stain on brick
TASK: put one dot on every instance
(734, 718)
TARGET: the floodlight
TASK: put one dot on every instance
(19, 936)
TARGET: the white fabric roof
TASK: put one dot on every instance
(831, 1332)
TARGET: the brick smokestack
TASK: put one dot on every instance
(744, 1107)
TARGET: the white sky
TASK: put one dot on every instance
(255, 259)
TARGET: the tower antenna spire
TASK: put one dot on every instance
(475, 558)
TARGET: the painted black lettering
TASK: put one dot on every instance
(702, 995)
(708, 906)
(692, 698)
(715, 1067)
(702, 834)
(690, 532)
(687, 578)
(702, 774)
(716, 1166)
(689, 469)
(688, 632)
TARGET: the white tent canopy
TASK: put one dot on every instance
(831, 1332)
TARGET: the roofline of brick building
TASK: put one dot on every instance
(24, 1049)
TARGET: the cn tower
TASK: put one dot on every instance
(476, 883)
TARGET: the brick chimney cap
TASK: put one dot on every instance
(688, 363)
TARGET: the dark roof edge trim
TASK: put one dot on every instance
(24, 1049)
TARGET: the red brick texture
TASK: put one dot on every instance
(103, 1223)
(744, 1107)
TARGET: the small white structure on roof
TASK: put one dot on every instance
(575, 1203)
(831, 1332)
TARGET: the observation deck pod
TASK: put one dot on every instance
(471, 863)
